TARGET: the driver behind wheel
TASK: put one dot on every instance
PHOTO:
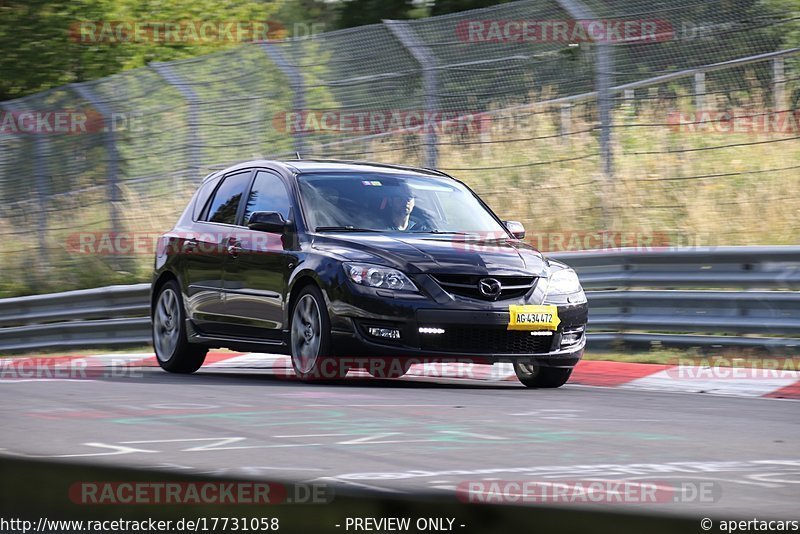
(398, 210)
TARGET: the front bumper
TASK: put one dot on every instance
(462, 330)
(358, 347)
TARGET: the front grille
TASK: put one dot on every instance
(486, 340)
(466, 285)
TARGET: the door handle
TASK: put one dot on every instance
(234, 249)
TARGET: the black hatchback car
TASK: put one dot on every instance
(350, 264)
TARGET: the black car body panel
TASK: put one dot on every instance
(241, 297)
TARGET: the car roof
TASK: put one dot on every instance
(323, 165)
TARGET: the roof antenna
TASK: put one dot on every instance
(297, 154)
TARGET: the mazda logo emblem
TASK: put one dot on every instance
(489, 287)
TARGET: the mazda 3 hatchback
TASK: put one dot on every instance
(347, 264)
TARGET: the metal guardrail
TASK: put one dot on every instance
(110, 316)
(751, 298)
(771, 267)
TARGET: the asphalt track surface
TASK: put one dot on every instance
(412, 434)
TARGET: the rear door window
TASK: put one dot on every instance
(225, 203)
(201, 201)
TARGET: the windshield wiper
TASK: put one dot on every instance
(438, 232)
(342, 229)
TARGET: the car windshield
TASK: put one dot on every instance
(383, 202)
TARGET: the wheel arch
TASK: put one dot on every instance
(158, 283)
(300, 281)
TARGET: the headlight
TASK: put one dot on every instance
(378, 277)
(565, 282)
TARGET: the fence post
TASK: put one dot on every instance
(604, 70)
(41, 182)
(779, 85)
(164, 70)
(604, 81)
(699, 91)
(430, 83)
(112, 165)
(4, 193)
(296, 83)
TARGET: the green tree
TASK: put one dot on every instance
(40, 49)
(298, 16)
(442, 7)
(360, 12)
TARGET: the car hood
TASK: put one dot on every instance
(432, 253)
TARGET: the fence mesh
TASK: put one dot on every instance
(703, 130)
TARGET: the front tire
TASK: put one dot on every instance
(533, 375)
(173, 350)
(311, 337)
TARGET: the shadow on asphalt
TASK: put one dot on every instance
(268, 378)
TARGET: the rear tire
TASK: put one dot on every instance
(173, 350)
(310, 338)
(533, 375)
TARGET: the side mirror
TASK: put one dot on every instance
(516, 229)
(268, 221)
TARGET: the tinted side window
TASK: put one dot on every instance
(268, 194)
(226, 200)
(202, 197)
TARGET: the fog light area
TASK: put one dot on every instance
(571, 337)
(386, 333)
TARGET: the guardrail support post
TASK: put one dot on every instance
(164, 70)
(296, 83)
(430, 83)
